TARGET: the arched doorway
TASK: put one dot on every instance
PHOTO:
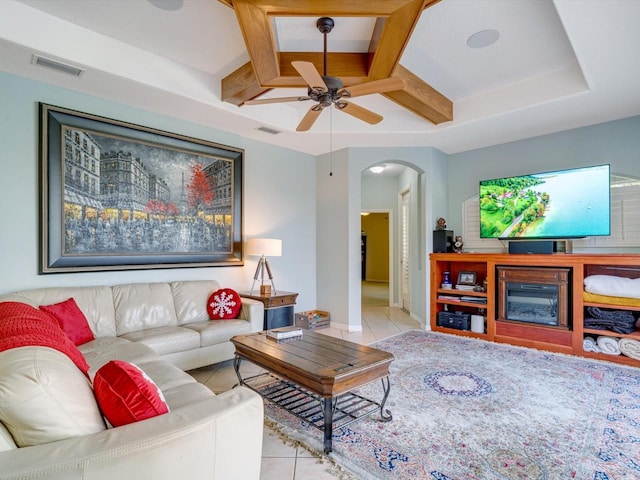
(393, 195)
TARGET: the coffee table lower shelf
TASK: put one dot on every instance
(338, 411)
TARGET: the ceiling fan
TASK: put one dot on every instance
(327, 90)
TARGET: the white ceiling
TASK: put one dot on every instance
(558, 64)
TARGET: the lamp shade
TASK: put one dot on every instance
(269, 247)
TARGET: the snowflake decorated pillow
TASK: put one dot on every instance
(223, 304)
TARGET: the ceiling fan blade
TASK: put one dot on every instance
(264, 101)
(309, 74)
(376, 86)
(309, 119)
(359, 112)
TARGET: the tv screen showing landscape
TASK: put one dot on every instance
(563, 204)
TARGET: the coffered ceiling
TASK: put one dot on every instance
(557, 64)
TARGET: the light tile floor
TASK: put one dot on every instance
(285, 462)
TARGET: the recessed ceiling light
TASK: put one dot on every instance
(169, 5)
(483, 38)
(377, 169)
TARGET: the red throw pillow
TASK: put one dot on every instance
(126, 394)
(71, 320)
(224, 303)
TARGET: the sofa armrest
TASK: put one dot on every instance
(219, 438)
(253, 310)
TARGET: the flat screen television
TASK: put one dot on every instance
(570, 203)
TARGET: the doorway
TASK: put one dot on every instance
(375, 256)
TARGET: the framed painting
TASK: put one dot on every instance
(118, 196)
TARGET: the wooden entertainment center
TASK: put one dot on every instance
(558, 275)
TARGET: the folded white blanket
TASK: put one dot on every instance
(589, 345)
(608, 345)
(613, 286)
(630, 347)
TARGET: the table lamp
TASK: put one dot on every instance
(264, 247)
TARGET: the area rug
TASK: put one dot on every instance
(469, 409)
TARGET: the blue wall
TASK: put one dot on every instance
(616, 143)
(279, 197)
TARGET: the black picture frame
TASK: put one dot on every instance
(466, 278)
(119, 196)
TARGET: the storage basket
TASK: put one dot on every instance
(312, 319)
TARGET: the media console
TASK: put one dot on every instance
(535, 280)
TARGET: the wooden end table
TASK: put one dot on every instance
(314, 376)
(278, 308)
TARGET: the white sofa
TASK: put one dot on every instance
(164, 329)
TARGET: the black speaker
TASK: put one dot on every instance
(532, 246)
(442, 241)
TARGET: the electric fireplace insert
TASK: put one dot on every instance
(538, 296)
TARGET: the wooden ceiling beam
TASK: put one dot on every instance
(336, 8)
(255, 26)
(269, 68)
(421, 98)
(394, 38)
(241, 85)
(351, 68)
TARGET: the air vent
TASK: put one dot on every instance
(271, 131)
(57, 65)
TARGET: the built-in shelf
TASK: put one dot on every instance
(568, 340)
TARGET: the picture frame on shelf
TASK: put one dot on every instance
(467, 278)
(119, 196)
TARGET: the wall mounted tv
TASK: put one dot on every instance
(562, 204)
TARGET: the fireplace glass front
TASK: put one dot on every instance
(532, 303)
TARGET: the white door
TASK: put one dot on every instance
(405, 270)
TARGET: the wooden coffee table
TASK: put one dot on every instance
(314, 376)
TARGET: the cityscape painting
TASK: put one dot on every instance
(120, 196)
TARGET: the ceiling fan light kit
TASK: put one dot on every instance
(327, 90)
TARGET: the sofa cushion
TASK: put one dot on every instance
(183, 395)
(189, 298)
(126, 394)
(14, 297)
(141, 306)
(166, 375)
(165, 340)
(44, 397)
(6, 440)
(96, 302)
(224, 303)
(214, 332)
(22, 325)
(71, 320)
(102, 350)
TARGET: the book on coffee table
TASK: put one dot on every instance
(284, 333)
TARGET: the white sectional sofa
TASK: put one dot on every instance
(163, 328)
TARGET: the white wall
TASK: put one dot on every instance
(279, 197)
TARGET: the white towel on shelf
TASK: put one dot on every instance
(608, 345)
(630, 347)
(589, 345)
(613, 286)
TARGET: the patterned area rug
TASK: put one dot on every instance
(468, 409)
